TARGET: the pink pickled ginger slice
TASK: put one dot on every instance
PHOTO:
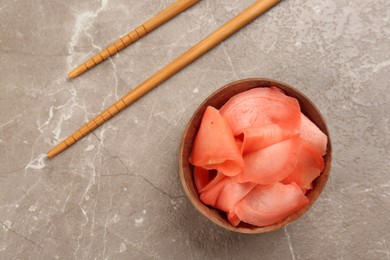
(311, 133)
(214, 181)
(233, 218)
(261, 137)
(261, 106)
(310, 165)
(225, 194)
(202, 177)
(266, 205)
(271, 164)
(215, 147)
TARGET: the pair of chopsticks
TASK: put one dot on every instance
(226, 30)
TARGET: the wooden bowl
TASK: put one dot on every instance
(217, 99)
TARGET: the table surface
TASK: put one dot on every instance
(116, 194)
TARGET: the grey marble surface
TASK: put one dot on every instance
(116, 194)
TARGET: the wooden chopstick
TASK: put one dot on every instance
(176, 65)
(159, 19)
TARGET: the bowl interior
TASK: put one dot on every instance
(217, 99)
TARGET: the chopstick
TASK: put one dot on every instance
(249, 14)
(159, 19)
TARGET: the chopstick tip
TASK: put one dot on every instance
(71, 75)
(56, 150)
(77, 71)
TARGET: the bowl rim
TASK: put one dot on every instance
(314, 194)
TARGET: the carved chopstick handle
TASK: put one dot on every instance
(159, 19)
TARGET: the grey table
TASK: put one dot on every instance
(116, 194)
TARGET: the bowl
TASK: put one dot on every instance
(217, 99)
